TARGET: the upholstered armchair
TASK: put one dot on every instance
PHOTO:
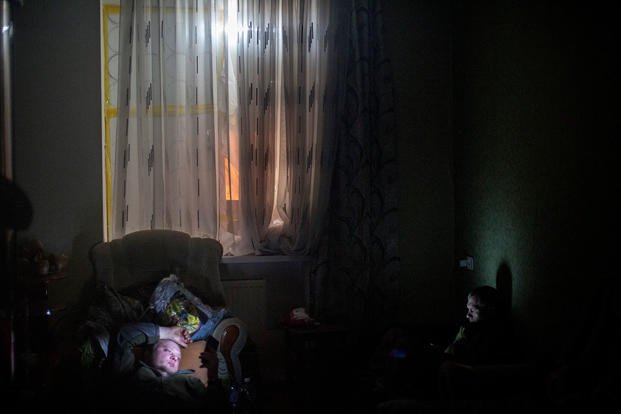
(134, 264)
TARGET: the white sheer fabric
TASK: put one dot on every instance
(226, 118)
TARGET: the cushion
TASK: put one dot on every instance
(173, 304)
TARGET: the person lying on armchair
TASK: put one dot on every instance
(152, 379)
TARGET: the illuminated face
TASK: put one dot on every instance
(166, 356)
(473, 313)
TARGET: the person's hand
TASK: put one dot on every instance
(176, 333)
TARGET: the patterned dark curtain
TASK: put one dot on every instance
(356, 278)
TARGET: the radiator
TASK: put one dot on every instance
(246, 299)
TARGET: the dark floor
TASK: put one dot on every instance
(281, 399)
(286, 398)
(327, 392)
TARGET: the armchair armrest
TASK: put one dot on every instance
(231, 334)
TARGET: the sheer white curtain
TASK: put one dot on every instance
(226, 119)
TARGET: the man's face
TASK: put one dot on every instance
(166, 356)
(473, 313)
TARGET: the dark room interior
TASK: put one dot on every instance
(505, 126)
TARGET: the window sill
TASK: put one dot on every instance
(265, 259)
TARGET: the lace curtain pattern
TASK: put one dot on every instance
(226, 120)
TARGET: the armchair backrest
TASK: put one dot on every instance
(146, 256)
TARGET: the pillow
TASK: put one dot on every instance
(181, 312)
(173, 304)
(191, 359)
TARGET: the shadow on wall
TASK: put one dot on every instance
(504, 286)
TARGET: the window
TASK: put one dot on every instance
(218, 119)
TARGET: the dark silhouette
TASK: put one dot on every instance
(504, 285)
(15, 214)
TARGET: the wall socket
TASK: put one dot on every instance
(467, 263)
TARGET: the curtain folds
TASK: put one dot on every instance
(226, 120)
(266, 124)
(355, 280)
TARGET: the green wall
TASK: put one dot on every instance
(418, 41)
(532, 121)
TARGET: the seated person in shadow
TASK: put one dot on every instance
(154, 380)
(412, 364)
(484, 343)
(482, 338)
